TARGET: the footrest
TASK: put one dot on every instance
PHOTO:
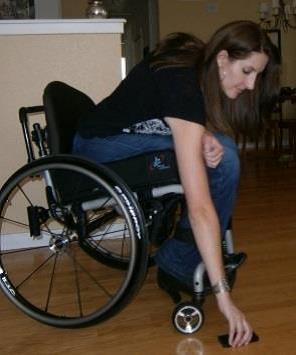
(235, 260)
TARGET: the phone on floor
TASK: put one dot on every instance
(223, 339)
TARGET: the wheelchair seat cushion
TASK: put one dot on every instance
(156, 168)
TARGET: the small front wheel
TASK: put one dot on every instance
(187, 318)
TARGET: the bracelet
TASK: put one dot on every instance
(221, 286)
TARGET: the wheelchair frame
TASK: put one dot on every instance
(75, 226)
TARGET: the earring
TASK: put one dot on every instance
(222, 75)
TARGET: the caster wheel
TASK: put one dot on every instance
(187, 318)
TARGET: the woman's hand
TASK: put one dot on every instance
(212, 150)
(240, 331)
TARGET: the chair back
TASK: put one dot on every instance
(63, 106)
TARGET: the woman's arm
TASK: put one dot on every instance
(202, 215)
(188, 142)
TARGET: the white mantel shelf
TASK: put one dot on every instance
(71, 26)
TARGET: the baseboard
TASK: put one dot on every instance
(22, 240)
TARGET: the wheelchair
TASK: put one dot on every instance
(77, 237)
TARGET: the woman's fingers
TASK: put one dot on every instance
(231, 332)
(213, 158)
(240, 333)
(212, 150)
(247, 336)
(237, 341)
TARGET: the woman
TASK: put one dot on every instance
(178, 97)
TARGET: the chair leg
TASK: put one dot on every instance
(276, 140)
(281, 140)
(244, 145)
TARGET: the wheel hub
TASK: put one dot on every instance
(59, 244)
(187, 318)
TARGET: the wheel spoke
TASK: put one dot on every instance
(11, 252)
(194, 313)
(188, 328)
(70, 254)
(77, 286)
(24, 194)
(182, 313)
(106, 233)
(34, 271)
(102, 235)
(13, 221)
(22, 224)
(51, 282)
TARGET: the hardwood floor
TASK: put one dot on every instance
(265, 228)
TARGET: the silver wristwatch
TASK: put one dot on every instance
(221, 286)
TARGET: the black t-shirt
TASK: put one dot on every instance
(143, 99)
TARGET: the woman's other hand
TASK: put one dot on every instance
(212, 150)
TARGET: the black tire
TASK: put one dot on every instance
(53, 279)
(187, 318)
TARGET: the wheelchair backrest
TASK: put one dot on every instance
(63, 106)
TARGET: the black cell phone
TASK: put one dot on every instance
(223, 339)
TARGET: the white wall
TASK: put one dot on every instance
(87, 61)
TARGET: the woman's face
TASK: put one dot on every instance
(237, 75)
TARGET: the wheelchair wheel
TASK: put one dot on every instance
(48, 210)
(187, 318)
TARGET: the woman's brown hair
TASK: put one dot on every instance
(245, 113)
(177, 49)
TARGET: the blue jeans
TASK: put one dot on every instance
(176, 257)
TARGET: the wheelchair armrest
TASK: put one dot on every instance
(167, 189)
